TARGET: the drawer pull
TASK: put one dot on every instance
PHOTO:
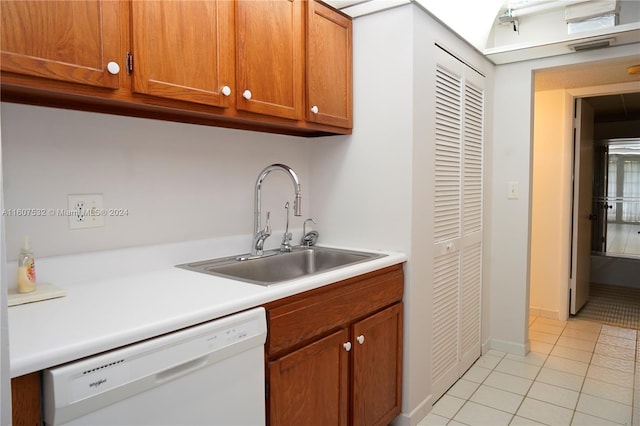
(347, 346)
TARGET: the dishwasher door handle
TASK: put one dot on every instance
(181, 370)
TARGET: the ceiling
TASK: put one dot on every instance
(619, 107)
(596, 73)
(614, 108)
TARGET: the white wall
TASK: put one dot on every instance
(178, 181)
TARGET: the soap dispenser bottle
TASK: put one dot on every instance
(26, 269)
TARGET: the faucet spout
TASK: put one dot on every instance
(297, 203)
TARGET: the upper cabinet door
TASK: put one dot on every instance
(329, 66)
(72, 41)
(184, 50)
(270, 61)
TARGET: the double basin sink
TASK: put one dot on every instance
(278, 266)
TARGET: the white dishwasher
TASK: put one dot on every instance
(209, 374)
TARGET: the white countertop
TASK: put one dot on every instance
(99, 314)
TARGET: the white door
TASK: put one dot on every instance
(582, 205)
(457, 226)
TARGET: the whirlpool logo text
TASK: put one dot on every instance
(97, 383)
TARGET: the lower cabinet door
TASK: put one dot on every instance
(377, 367)
(310, 386)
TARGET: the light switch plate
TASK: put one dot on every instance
(512, 191)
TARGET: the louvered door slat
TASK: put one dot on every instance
(445, 315)
(447, 156)
(470, 286)
(472, 159)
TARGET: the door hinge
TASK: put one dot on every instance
(129, 63)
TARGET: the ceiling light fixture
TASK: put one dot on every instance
(527, 7)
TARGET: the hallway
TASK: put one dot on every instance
(577, 373)
(612, 305)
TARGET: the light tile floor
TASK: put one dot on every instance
(577, 373)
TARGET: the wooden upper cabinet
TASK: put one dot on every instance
(270, 57)
(71, 41)
(230, 63)
(329, 66)
(184, 50)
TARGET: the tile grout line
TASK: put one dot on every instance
(541, 367)
(584, 379)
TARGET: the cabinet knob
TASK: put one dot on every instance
(360, 339)
(246, 94)
(347, 346)
(113, 68)
(314, 109)
(226, 90)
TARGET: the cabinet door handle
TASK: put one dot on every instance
(246, 94)
(360, 339)
(314, 109)
(226, 90)
(113, 68)
(347, 346)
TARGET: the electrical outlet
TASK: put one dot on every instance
(85, 211)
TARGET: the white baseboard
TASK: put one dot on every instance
(543, 313)
(415, 416)
(509, 347)
(485, 347)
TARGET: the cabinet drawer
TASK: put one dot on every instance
(299, 319)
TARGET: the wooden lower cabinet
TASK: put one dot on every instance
(310, 386)
(377, 367)
(25, 400)
(349, 374)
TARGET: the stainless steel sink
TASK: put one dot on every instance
(278, 267)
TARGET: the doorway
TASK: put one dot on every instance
(552, 184)
(613, 222)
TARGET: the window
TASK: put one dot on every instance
(623, 189)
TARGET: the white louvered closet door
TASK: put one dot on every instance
(457, 227)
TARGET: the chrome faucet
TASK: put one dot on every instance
(260, 235)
